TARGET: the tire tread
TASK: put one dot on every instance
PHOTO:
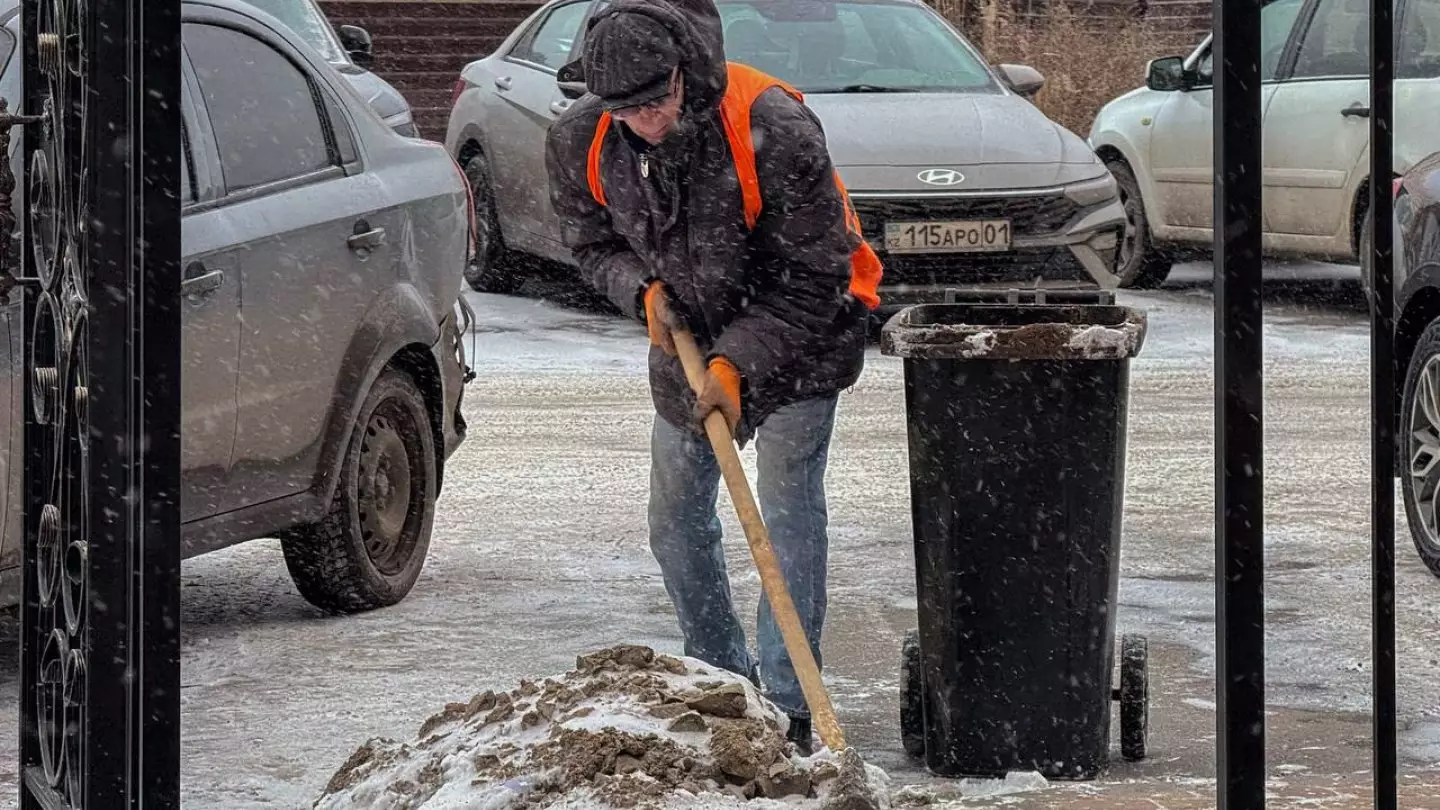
(325, 559)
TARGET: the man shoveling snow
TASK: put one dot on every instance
(626, 729)
(700, 196)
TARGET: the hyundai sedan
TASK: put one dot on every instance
(956, 175)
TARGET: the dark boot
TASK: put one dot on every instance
(800, 735)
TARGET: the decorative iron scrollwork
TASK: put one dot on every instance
(100, 639)
(58, 369)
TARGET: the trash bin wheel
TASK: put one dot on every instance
(912, 696)
(1134, 697)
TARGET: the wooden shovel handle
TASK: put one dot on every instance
(782, 607)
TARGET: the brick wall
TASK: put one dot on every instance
(421, 45)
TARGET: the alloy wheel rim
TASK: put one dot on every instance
(1424, 445)
(1130, 242)
(482, 238)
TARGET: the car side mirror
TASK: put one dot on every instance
(1023, 79)
(571, 79)
(358, 44)
(1167, 75)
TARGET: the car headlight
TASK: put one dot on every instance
(1093, 192)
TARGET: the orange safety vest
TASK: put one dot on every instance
(745, 85)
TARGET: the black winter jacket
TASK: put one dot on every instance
(774, 300)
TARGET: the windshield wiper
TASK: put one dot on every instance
(864, 88)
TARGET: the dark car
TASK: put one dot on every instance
(323, 260)
(1417, 351)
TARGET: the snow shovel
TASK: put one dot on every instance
(854, 792)
(766, 561)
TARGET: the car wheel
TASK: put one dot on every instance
(489, 271)
(912, 696)
(1420, 414)
(1134, 697)
(1140, 264)
(368, 550)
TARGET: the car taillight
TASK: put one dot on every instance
(1395, 190)
(469, 210)
(460, 85)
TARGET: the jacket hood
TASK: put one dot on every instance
(695, 25)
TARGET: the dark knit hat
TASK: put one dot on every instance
(629, 59)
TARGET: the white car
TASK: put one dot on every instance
(1158, 140)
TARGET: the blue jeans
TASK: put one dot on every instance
(792, 447)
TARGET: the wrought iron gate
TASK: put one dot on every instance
(99, 700)
(1239, 412)
(100, 634)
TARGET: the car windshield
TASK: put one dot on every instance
(305, 18)
(854, 47)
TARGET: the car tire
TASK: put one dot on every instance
(367, 552)
(491, 270)
(1140, 264)
(1134, 697)
(1420, 492)
(912, 696)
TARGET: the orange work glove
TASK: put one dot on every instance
(659, 318)
(721, 393)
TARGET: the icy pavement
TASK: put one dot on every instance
(540, 554)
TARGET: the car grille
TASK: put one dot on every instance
(1029, 216)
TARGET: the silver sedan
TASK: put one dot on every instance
(957, 176)
(320, 337)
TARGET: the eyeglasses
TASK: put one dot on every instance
(650, 106)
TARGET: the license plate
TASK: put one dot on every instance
(974, 236)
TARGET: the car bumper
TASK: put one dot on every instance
(1054, 240)
(449, 352)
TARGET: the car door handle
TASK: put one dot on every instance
(1356, 111)
(559, 107)
(504, 83)
(198, 281)
(366, 240)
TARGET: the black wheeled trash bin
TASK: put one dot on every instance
(1017, 456)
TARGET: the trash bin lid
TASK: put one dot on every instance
(1010, 332)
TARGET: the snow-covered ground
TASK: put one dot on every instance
(540, 554)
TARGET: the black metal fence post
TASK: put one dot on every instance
(1382, 400)
(99, 704)
(1239, 391)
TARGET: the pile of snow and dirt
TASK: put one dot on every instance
(626, 729)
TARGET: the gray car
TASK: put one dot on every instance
(956, 175)
(322, 268)
(350, 51)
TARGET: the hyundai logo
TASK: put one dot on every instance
(941, 177)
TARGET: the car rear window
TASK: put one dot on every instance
(859, 47)
(264, 135)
